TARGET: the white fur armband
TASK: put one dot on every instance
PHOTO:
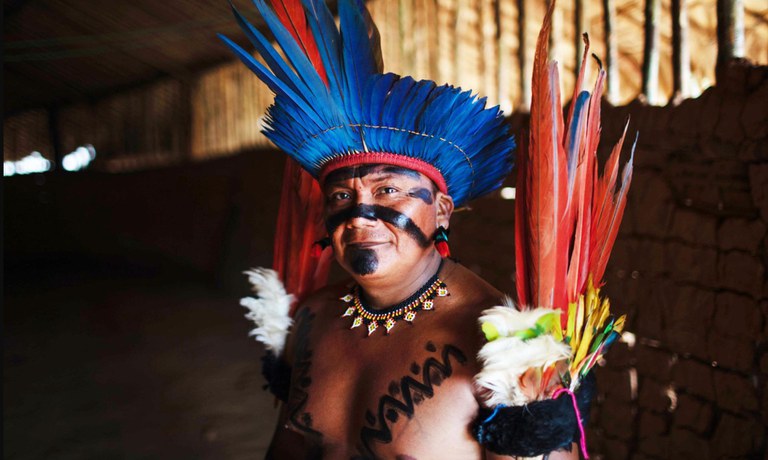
(269, 309)
(507, 357)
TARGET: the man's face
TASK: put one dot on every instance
(381, 219)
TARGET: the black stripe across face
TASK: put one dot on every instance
(377, 212)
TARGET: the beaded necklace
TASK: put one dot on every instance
(423, 299)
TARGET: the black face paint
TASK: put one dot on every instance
(363, 170)
(362, 261)
(377, 212)
(423, 194)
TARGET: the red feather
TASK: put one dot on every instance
(299, 225)
(567, 216)
(542, 273)
(609, 210)
(293, 17)
(300, 219)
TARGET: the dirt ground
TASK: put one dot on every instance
(110, 364)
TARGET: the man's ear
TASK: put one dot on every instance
(444, 209)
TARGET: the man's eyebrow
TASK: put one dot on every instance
(365, 170)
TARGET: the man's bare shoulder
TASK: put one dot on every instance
(318, 301)
(470, 289)
(470, 296)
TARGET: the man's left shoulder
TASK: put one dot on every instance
(470, 294)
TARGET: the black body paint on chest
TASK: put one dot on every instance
(300, 380)
(403, 397)
(378, 212)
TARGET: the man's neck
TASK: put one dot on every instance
(383, 293)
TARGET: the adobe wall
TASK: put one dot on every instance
(689, 269)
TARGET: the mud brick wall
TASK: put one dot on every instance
(689, 271)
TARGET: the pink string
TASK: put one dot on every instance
(583, 440)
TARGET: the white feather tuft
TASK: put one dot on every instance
(508, 320)
(507, 358)
(269, 310)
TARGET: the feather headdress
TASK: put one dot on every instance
(566, 221)
(334, 107)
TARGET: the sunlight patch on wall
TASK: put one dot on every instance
(79, 159)
(32, 163)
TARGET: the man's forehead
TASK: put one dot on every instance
(359, 171)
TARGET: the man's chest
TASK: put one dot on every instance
(383, 395)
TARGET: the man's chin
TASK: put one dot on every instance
(362, 261)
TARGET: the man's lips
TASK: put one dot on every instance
(366, 244)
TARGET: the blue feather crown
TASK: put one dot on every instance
(356, 114)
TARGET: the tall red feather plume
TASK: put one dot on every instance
(567, 216)
(541, 275)
(299, 219)
(293, 17)
(299, 225)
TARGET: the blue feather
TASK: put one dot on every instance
(361, 108)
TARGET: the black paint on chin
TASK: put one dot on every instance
(362, 261)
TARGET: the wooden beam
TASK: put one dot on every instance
(525, 74)
(651, 50)
(681, 56)
(580, 26)
(730, 31)
(611, 51)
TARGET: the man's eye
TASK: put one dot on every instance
(387, 190)
(340, 196)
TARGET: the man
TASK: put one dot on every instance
(381, 366)
(408, 394)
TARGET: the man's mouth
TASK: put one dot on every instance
(365, 244)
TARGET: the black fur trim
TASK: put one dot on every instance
(277, 374)
(537, 428)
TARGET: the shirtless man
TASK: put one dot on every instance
(381, 366)
(407, 394)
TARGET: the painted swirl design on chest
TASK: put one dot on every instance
(300, 380)
(405, 395)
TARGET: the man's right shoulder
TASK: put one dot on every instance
(325, 295)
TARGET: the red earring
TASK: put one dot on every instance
(319, 246)
(441, 242)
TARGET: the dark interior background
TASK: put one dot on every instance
(123, 336)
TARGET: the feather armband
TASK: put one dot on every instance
(537, 428)
(269, 310)
(277, 374)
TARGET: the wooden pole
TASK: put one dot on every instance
(730, 31)
(580, 26)
(681, 57)
(611, 51)
(57, 155)
(651, 50)
(525, 79)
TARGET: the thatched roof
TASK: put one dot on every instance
(107, 66)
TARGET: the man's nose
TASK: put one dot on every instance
(362, 215)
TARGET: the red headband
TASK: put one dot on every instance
(385, 158)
